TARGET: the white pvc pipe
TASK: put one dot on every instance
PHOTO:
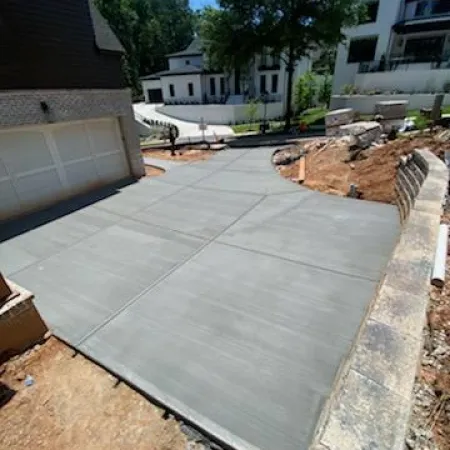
(438, 277)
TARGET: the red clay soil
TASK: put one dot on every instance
(374, 174)
(152, 171)
(75, 405)
(183, 154)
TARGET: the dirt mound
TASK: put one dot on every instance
(329, 170)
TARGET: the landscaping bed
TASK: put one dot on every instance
(185, 153)
(329, 169)
(72, 404)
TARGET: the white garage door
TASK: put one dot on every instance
(41, 165)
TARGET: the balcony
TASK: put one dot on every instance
(404, 63)
(424, 15)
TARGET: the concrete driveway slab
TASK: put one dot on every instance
(325, 231)
(87, 283)
(248, 182)
(44, 234)
(221, 289)
(198, 211)
(248, 346)
(136, 197)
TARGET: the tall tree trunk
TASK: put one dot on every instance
(290, 72)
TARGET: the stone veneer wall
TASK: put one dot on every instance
(371, 403)
(19, 108)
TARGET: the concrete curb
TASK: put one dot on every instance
(371, 404)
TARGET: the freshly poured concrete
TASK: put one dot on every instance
(224, 291)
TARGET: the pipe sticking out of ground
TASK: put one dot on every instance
(438, 276)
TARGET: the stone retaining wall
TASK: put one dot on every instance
(371, 403)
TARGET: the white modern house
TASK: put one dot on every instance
(402, 48)
(189, 90)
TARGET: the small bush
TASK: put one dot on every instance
(349, 89)
(446, 87)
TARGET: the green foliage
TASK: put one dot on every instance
(421, 122)
(252, 110)
(148, 30)
(291, 28)
(325, 91)
(349, 89)
(446, 87)
(324, 64)
(305, 90)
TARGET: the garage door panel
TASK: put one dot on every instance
(72, 142)
(9, 203)
(25, 151)
(104, 136)
(111, 167)
(82, 175)
(39, 188)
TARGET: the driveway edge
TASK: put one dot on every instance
(371, 403)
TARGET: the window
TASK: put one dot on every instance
(274, 83)
(172, 90)
(371, 13)
(212, 86)
(222, 86)
(362, 50)
(187, 62)
(191, 89)
(264, 58)
(262, 84)
(424, 49)
(421, 8)
(440, 7)
(275, 60)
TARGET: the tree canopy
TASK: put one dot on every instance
(148, 30)
(292, 28)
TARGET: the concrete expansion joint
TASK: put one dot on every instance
(372, 397)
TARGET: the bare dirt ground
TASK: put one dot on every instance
(152, 171)
(75, 405)
(182, 154)
(373, 172)
(430, 421)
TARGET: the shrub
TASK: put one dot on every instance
(446, 87)
(325, 91)
(349, 89)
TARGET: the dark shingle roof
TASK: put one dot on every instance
(184, 70)
(193, 49)
(105, 39)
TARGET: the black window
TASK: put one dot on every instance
(222, 86)
(274, 83)
(424, 49)
(371, 13)
(262, 84)
(187, 62)
(172, 90)
(362, 50)
(212, 86)
(441, 7)
(191, 89)
(421, 8)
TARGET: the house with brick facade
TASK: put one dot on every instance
(66, 119)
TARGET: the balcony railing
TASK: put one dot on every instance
(405, 63)
(425, 9)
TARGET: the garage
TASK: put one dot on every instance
(41, 165)
(155, 96)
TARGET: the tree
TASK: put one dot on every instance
(325, 90)
(148, 30)
(305, 91)
(252, 110)
(324, 63)
(291, 28)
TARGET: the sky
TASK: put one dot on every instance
(198, 4)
